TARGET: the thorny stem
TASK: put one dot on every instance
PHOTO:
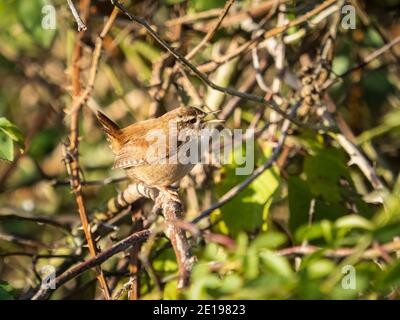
(72, 160)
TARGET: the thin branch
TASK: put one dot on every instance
(38, 256)
(369, 254)
(22, 241)
(366, 61)
(256, 173)
(83, 98)
(79, 22)
(260, 36)
(279, 56)
(211, 32)
(356, 157)
(43, 293)
(102, 182)
(120, 246)
(36, 219)
(226, 90)
(71, 155)
(234, 17)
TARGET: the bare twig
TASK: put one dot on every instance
(79, 22)
(134, 261)
(103, 182)
(369, 254)
(22, 241)
(95, 62)
(172, 211)
(211, 32)
(204, 78)
(256, 173)
(35, 218)
(122, 245)
(372, 253)
(356, 157)
(38, 256)
(261, 36)
(259, 73)
(234, 17)
(279, 56)
(71, 155)
(367, 60)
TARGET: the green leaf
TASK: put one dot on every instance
(377, 87)
(373, 38)
(30, 16)
(231, 283)
(251, 263)
(391, 277)
(387, 232)
(354, 221)
(137, 61)
(324, 171)
(9, 133)
(269, 240)
(202, 5)
(12, 131)
(320, 268)
(276, 264)
(299, 197)
(171, 290)
(172, 2)
(165, 262)
(147, 51)
(44, 142)
(321, 229)
(248, 211)
(6, 291)
(340, 64)
(6, 147)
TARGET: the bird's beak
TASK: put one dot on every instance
(214, 121)
(213, 112)
(210, 118)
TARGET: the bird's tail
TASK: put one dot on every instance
(112, 130)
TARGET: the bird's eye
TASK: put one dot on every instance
(193, 121)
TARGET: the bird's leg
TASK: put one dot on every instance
(169, 194)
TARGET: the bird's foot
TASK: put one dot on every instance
(167, 194)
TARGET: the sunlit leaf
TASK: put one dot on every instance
(6, 291)
(30, 16)
(6, 147)
(276, 264)
(354, 221)
(12, 131)
(249, 209)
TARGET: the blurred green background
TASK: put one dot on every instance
(271, 215)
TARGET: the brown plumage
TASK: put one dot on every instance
(136, 150)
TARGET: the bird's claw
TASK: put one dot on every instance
(166, 195)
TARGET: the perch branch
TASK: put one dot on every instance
(120, 246)
(71, 155)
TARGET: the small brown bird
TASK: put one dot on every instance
(146, 149)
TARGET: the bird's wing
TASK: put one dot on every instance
(133, 154)
(129, 156)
